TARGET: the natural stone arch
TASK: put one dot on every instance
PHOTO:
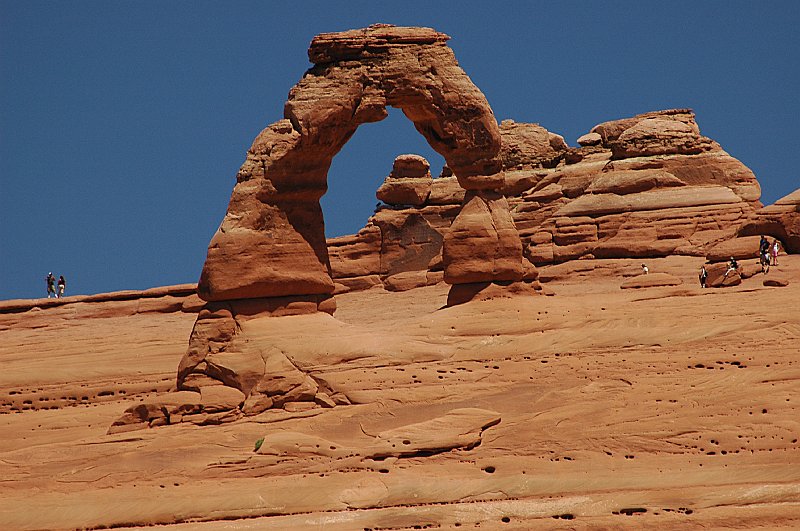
(271, 242)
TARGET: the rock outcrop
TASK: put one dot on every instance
(511, 197)
(269, 256)
(780, 220)
(640, 187)
(271, 242)
(409, 183)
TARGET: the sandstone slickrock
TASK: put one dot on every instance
(651, 280)
(269, 256)
(661, 379)
(459, 428)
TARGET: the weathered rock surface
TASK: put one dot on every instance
(482, 244)
(271, 242)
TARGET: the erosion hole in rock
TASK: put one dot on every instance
(361, 166)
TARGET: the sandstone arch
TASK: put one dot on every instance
(271, 242)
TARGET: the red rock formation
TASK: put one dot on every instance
(530, 145)
(654, 187)
(269, 256)
(482, 245)
(593, 205)
(780, 220)
(409, 183)
(271, 242)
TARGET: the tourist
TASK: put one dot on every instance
(774, 249)
(703, 276)
(763, 252)
(645, 270)
(51, 284)
(732, 266)
(62, 285)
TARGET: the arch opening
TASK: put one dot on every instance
(361, 166)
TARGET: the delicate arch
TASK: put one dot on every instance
(271, 242)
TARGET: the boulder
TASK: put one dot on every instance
(717, 277)
(739, 248)
(612, 130)
(659, 136)
(406, 280)
(216, 398)
(530, 145)
(409, 183)
(590, 139)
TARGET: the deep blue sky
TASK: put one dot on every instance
(122, 124)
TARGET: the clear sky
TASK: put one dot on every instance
(122, 124)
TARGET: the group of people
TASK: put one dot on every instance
(767, 252)
(51, 286)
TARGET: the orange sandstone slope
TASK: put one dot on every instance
(663, 406)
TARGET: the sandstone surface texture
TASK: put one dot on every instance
(598, 408)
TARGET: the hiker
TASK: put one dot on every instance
(62, 285)
(703, 276)
(774, 250)
(764, 250)
(51, 284)
(732, 266)
(764, 261)
(644, 269)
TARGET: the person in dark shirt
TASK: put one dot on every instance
(51, 284)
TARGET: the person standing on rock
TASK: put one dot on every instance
(51, 284)
(62, 285)
(645, 270)
(733, 265)
(774, 250)
(703, 276)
